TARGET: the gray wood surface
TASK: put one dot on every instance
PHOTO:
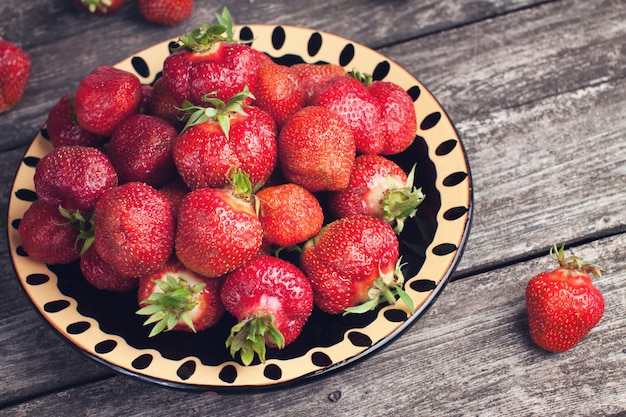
(537, 90)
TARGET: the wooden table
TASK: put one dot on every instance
(537, 91)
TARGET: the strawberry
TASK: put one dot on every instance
(140, 149)
(166, 12)
(218, 138)
(102, 276)
(134, 229)
(271, 300)
(176, 298)
(161, 103)
(218, 229)
(278, 92)
(316, 150)
(563, 305)
(353, 265)
(351, 101)
(105, 97)
(379, 188)
(315, 77)
(74, 177)
(209, 60)
(14, 73)
(398, 113)
(100, 7)
(175, 191)
(47, 236)
(289, 214)
(64, 130)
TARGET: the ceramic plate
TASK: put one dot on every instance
(103, 325)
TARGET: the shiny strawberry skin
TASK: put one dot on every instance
(140, 149)
(105, 97)
(267, 285)
(47, 236)
(216, 232)
(226, 69)
(315, 77)
(204, 155)
(398, 116)
(63, 129)
(563, 306)
(365, 191)
(15, 68)
(208, 309)
(74, 177)
(134, 229)
(278, 92)
(166, 12)
(102, 275)
(289, 214)
(349, 99)
(316, 150)
(345, 258)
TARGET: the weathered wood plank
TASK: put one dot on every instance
(470, 355)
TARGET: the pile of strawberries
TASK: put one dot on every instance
(189, 191)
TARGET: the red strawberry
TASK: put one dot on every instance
(176, 298)
(398, 114)
(210, 61)
(102, 276)
(100, 7)
(63, 129)
(563, 305)
(161, 103)
(225, 136)
(140, 149)
(14, 74)
(379, 188)
(218, 229)
(134, 229)
(105, 97)
(271, 299)
(351, 101)
(166, 12)
(316, 150)
(175, 191)
(353, 265)
(278, 92)
(74, 177)
(47, 236)
(315, 77)
(289, 214)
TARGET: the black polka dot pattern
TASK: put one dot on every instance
(327, 342)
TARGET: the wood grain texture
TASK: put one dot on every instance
(537, 91)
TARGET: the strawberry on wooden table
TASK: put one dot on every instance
(100, 7)
(271, 299)
(14, 73)
(166, 12)
(563, 305)
(225, 135)
(175, 298)
(74, 177)
(379, 188)
(353, 266)
(105, 97)
(218, 229)
(209, 60)
(134, 229)
(316, 150)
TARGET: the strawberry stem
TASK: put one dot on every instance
(249, 336)
(203, 38)
(573, 262)
(84, 226)
(401, 201)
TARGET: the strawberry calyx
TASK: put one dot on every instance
(94, 5)
(573, 262)
(400, 201)
(170, 304)
(248, 337)
(202, 39)
(218, 110)
(385, 288)
(84, 225)
(364, 78)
